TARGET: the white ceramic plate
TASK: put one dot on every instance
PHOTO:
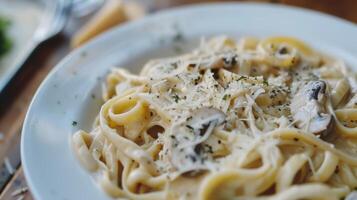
(71, 91)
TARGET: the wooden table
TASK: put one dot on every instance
(15, 100)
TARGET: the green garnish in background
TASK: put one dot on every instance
(5, 41)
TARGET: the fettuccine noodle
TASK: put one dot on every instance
(253, 119)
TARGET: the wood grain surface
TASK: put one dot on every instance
(14, 102)
(15, 99)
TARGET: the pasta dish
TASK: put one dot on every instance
(250, 119)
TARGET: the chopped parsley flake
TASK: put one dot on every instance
(178, 37)
(176, 98)
(226, 97)
(265, 82)
(242, 78)
(190, 127)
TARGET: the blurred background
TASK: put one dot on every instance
(36, 34)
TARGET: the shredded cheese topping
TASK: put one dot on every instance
(254, 119)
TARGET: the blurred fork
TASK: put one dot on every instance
(55, 16)
(53, 20)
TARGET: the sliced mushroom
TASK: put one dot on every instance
(308, 108)
(188, 150)
(226, 59)
(203, 120)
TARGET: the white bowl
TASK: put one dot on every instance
(71, 92)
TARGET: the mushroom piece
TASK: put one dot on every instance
(227, 59)
(188, 152)
(308, 108)
(204, 119)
